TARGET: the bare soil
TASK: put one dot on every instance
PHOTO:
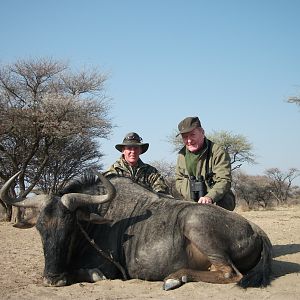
(21, 268)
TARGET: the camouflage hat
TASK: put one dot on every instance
(188, 124)
(132, 139)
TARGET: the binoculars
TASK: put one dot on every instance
(197, 187)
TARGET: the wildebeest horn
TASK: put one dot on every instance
(75, 200)
(34, 202)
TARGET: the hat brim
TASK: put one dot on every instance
(144, 146)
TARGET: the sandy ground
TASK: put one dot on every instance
(21, 266)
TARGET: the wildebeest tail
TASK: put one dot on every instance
(260, 275)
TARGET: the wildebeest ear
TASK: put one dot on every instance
(92, 217)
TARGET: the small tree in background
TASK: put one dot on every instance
(281, 183)
(254, 190)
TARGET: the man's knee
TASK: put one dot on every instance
(228, 201)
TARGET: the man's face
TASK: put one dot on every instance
(132, 154)
(194, 139)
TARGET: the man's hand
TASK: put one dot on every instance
(205, 200)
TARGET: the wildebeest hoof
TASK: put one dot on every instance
(89, 275)
(54, 283)
(96, 275)
(171, 284)
(184, 279)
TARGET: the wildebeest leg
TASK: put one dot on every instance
(201, 267)
(88, 275)
(217, 274)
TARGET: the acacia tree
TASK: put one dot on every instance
(50, 118)
(281, 182)
(254, 190)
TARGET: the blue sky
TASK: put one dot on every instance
(232, 63)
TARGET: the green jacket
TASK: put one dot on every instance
(219, 163)
(142, 173)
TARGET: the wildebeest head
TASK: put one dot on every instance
(57, 221)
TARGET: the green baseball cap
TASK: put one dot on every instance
(132, 139)
(188, 124)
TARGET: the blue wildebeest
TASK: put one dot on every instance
(99, 228)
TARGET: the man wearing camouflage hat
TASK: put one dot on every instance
(203, 169)
(130, 165)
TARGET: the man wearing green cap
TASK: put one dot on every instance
(203, 169)
(130, 165)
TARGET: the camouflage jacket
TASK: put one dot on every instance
(219, 163)
(142, 173)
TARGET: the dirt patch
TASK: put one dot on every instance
(21, 266)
